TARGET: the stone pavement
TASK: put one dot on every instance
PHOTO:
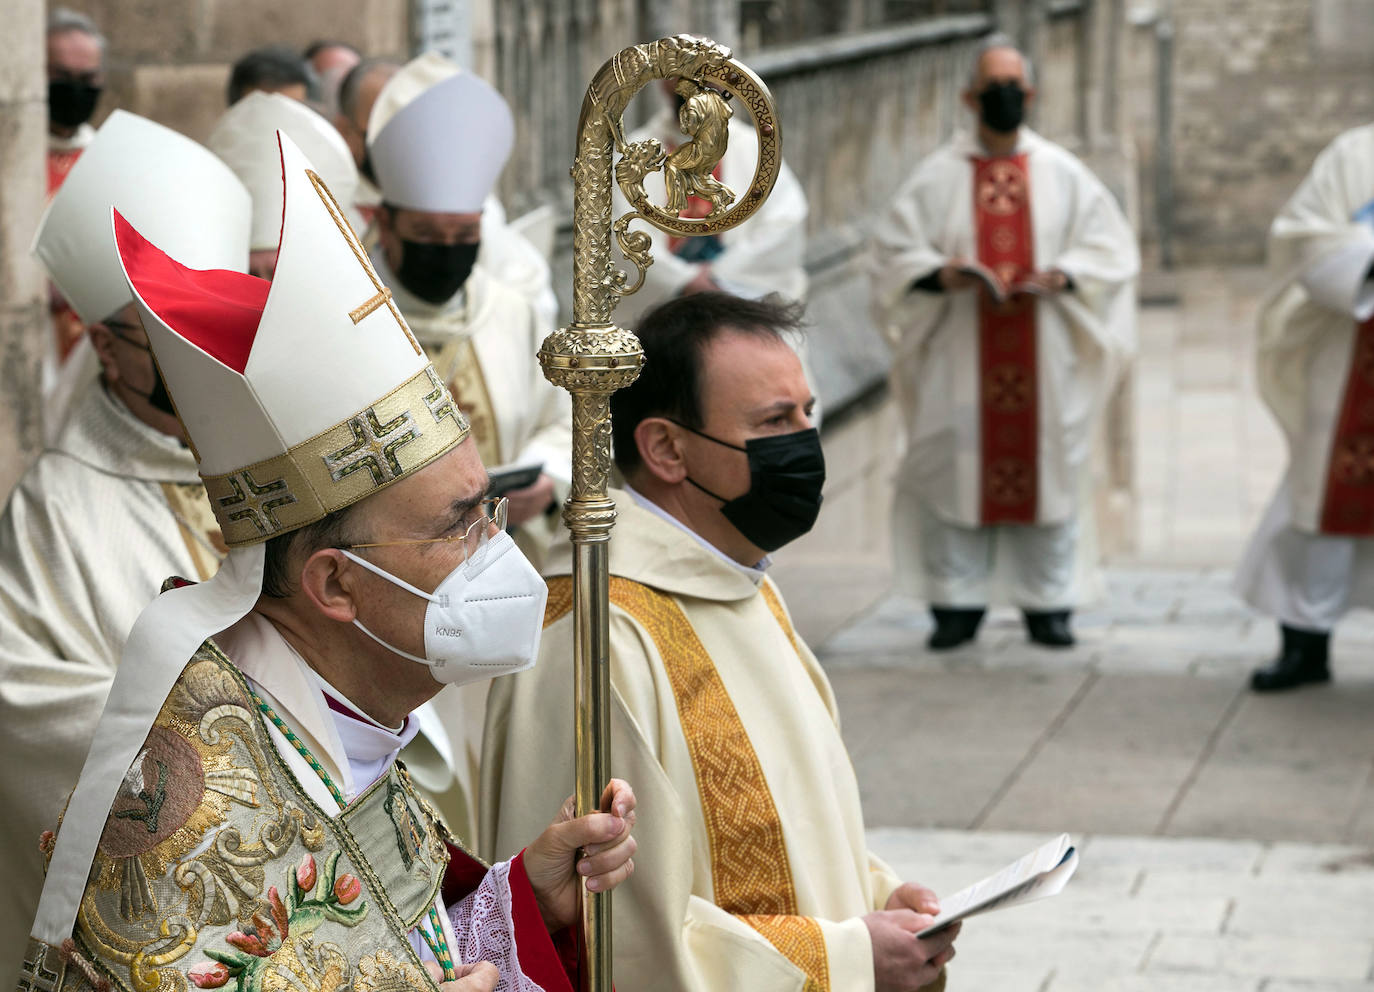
(1227, 839)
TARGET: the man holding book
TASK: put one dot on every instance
(757, 874)
(1004, 276)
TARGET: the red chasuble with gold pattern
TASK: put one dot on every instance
(1348, 506)
(1006, 344)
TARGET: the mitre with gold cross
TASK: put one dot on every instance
(299, 396)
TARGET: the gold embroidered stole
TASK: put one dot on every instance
(216, 866)
(197, 525)
(750, 869)
(458, 365)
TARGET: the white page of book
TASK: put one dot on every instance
(1038, 875)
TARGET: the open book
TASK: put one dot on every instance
(1038, 875)
(997, 289)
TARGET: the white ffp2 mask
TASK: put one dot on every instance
(484, 619)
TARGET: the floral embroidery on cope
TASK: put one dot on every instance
(206, 817)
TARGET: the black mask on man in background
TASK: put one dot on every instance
(158, 397)
(435, 272)
(71, 102)
(1002, 107)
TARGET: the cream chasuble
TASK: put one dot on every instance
(1311, 557)
(1083, 337)
(753, 872)
(89, 535)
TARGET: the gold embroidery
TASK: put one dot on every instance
(770, 596)
(197, 525)
(301, 485)
(211, 848)
(559, 602)
(750, 870)
(458, 365)
(801, 941)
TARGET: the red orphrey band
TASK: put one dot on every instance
(1008, 388)
(1348, 506)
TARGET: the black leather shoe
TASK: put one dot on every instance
(953, 627)
(1050, 628)
(1302, 659)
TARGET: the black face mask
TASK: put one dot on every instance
(158, 397)
(786, 473)
(435, 272)
(70, 102)
(1003, 106)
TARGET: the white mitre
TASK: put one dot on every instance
(299, 397)
(443, 150)
(405, 84)
(169, 187)
(246, 139)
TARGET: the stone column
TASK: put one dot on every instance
(23, 313)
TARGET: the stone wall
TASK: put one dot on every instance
(1260, 89)
(23, 311)
(170, 61)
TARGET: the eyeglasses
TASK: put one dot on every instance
(118, 326)
(491, 520)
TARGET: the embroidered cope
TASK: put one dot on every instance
(226, 861)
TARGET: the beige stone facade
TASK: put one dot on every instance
(23, 313)
(1259, 89)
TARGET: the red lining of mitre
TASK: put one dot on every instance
(217, 310)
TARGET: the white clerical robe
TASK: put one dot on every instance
(86, 540)
(752, 872)
(765, 254)
(484, 343)
(1085, 337)
(1321, 248)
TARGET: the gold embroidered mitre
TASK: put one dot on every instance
(299, 396)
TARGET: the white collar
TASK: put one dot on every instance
(369, 746)
(357, 746)
(79, 139)
(966, 143)
(755, 573)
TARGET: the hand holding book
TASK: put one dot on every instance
(1037, 875)
(968, 274)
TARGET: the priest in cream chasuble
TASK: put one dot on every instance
(1001, 377)
(241, 820)
(1312, 557)
(754, 872)
(114, 505)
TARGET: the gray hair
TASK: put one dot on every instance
(64, 19)
(996, 40)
